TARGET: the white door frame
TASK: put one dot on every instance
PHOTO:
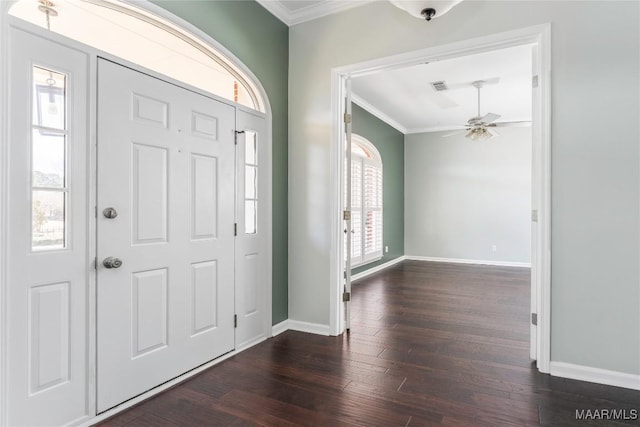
(5, 22)
(4, 191)
(540, 36)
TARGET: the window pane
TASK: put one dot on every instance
(250, 216)
(356, 236)
(250, 182)
(129, 32)
(373, 232)
(49, 98)
(251, 148)
(48, 220)
(377, 221)
(356, 183)
(48, 157)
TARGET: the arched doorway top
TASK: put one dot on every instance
(138, 33)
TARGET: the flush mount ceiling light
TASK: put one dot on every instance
(425, 9)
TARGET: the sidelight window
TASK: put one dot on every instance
(251, 183)
(49, 187)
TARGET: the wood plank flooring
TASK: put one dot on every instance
(432, 344)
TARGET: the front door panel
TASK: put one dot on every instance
(166, 168)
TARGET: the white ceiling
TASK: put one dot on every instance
(404, 98)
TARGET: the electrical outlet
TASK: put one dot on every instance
(494, 248)
(386, 249)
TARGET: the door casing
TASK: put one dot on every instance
(540, 37)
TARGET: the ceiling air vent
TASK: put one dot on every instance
(439, 86)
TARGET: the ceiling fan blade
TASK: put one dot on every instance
(490, 117)
(493, 133)
(518, 124)
(491, 81)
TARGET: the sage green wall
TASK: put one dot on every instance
(390, 144)
(261, 42)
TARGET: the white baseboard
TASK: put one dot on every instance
(377, 268)
(468, 261)
(251, 343)
(296, 325)
(280, 328)
(595, 375)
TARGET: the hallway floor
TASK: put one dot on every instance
(431, 344)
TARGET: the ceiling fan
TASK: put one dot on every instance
(480, 127)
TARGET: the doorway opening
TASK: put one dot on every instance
(539, 40)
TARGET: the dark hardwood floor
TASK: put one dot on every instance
(431, 344)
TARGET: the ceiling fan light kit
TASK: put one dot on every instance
(479, 133)
(425, 9)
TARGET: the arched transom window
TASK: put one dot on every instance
(131, 33)
(366, 201)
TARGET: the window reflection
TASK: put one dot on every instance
(49, 191)
(49, 93)
(48, 220)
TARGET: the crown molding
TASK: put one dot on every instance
(435, 129)
(311, 12)
(379, 114)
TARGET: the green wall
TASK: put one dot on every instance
(261, 42)
(390, 144)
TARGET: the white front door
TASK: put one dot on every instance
(166, 170)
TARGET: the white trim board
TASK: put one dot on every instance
(4, 191)
(469, 261)
(296, 325)
(280, 328)
(378, 268)
(310, 12)
(311, 328)
(595, 375)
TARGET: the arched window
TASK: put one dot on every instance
(366, 201)
(131, 33)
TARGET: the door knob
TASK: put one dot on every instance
(112, 262)
(110, 213)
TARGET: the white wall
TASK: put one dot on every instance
(462, 196)
(595, 152)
